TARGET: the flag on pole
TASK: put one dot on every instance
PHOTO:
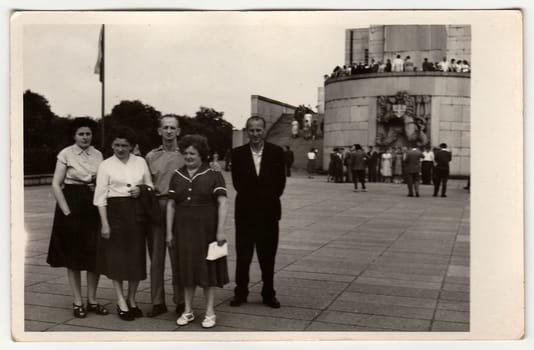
(99, 67)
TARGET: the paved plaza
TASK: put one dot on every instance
(374, 261)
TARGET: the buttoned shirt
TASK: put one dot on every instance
(162, 164)
(116, 179)
(256, 157)
(81, 164)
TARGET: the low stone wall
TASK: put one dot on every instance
(38, 180)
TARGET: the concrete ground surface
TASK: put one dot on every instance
(373, 261)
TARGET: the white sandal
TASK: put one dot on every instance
(209, 321)
(185, 318)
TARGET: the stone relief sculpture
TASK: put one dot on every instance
(402, 119)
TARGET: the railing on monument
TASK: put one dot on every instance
(396, 74)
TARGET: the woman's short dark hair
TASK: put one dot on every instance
(198, 142)
(82, 122)
(126, 133)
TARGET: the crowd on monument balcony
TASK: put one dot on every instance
(400, 65)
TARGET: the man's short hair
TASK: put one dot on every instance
(256, 117)
(175, 117)
(443, 145)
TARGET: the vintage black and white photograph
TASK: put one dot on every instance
(246, 172)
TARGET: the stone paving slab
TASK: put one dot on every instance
(389, 290)
(347, 262)
(375, 321)
(383, 310)
(450, 326)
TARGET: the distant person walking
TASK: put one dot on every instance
(338, 165)
(75, 230)
(442, 158)
(386, 165)
(289, 158)
(312, 162)
(295, 128)
(314, 129)
(372, 161)
(412, 168)
(427, 165)
(358, 165)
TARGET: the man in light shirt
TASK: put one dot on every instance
(162, 162)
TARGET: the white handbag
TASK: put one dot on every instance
(216, 252)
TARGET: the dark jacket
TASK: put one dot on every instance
(258, 197)
(358, 160)
(147, 207)
(442, 159)
(412, 161)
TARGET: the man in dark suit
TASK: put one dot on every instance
(442, 158)
(258, 175)
(412, 168)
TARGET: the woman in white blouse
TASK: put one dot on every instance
(121, 253)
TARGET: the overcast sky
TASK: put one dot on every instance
(215, 61)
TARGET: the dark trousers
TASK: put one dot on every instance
(372, 172)
(440, 178)
(288, 170)
(412, 181)
(358, 176)
(262, 234)
(426, 172)
(156, 252)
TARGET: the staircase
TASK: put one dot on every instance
(280, 134)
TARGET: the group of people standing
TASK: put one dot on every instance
(396, 164)
(109, 212)
(399, 64)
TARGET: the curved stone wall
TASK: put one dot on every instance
(351, 110)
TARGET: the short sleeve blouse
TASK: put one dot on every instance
(202, 188)
(82, 164)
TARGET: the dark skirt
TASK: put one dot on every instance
(122, 257)
(195, 227)
(74, 237)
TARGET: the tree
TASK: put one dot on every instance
(142, 118)
(217, 130)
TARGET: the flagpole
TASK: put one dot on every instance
(103, 81)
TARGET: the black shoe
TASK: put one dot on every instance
(135, 311)
(237, 301)
(78, 311)
(272, 302)
(97, 309)
(157, 310)
(434, 195)
(125, 315)
(417, 194)
(410, 195)
(180, 308)
(444, 195)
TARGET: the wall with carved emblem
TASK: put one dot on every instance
(351, 109)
